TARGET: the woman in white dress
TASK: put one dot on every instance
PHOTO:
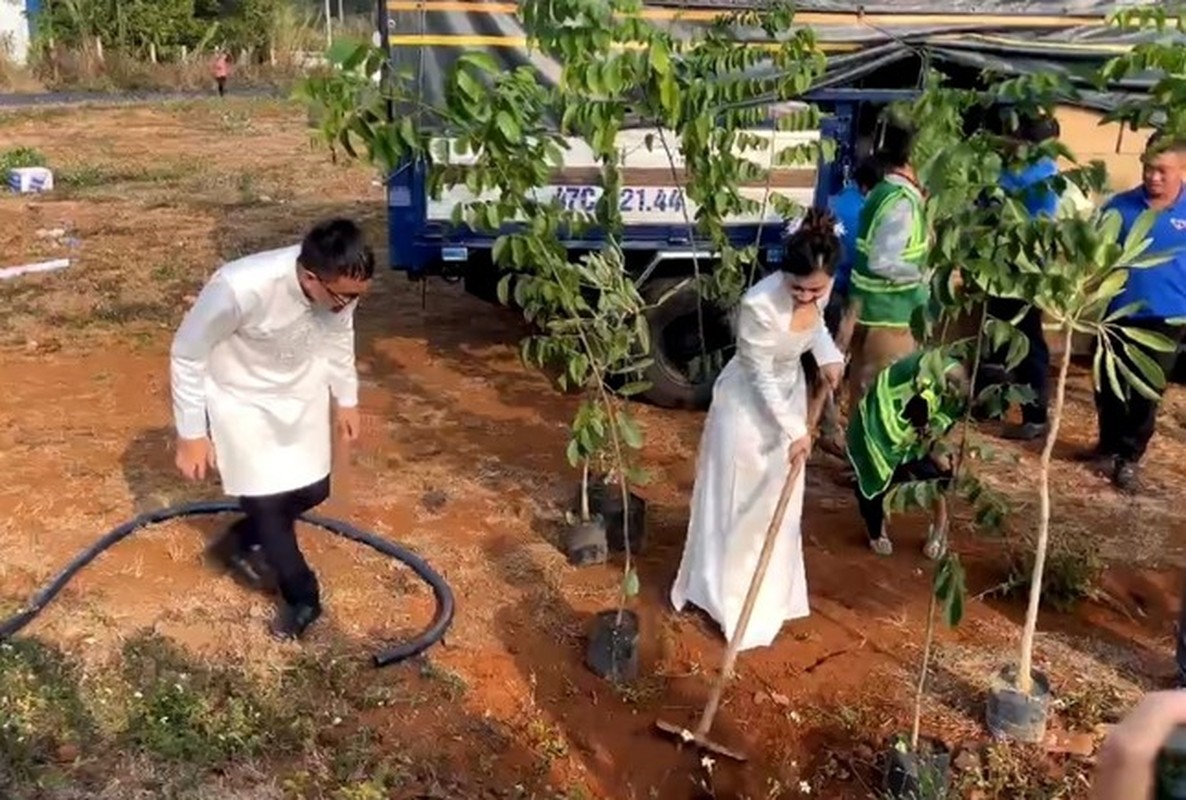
(755, 428)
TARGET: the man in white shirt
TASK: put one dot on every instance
(254, 365)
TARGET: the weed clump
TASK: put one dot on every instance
(181, 710)
(41, 713)
(1072, 574)
(18, 157)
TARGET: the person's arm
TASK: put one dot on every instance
(214, 317)
(1127, 763)
(339, 355)
(757, 335)
(887, 241)
(824, 347)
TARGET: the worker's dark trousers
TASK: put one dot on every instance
(1034, 369)
(271, 524)
(873, 508)
(1126, 426)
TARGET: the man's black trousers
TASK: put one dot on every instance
(1126, 425)
(270, 524)
(1034, 369)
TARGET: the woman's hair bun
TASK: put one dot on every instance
(814, 243)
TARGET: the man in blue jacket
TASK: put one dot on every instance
(846, 205)
(1031, 186)
(1126, 424)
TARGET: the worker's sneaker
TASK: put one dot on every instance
(1025, 432)
(292, 621)
(936, 545)
(1126, 477)
(882, 545)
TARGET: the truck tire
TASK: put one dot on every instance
(675, 340)
(481, 281)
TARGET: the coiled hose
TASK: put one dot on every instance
(389, 655)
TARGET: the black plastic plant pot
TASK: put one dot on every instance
(606, 499)
(612, 651)
(924, 774)
(585, 544)
(1011, 714)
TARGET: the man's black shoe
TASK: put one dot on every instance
(1126, 477)
(292, 621)
(1025, 432)
(247, 565)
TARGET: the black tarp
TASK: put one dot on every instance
(1072, 37)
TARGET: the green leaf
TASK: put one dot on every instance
(1141, 385)
(504, 289)
(346, 54)
(481, 60)
(950, 589)
(1110, 287)
(1118, 388)
(629, 431)
(1151, 340)
(1150, 370)
(1126, 310)
(508, 127)
(634, 388)
(1137, 239)
(660, 57)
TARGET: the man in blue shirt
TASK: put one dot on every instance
(846, 206)
(1126, 424)
(1032, 186)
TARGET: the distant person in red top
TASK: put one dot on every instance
(222, 70)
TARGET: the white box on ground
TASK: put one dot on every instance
(26, 180)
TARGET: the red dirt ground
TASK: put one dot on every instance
(463, 460)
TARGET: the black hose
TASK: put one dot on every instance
(390, 655)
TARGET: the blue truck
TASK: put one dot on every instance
(662, 249)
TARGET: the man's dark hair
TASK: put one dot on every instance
(1037, 128)
(1161, 142)
(337, 248)
(895, 141)
(867, 174)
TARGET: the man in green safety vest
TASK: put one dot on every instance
(889, 279)
(892, 433)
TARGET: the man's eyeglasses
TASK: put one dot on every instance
(339, 299)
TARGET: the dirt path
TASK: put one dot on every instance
(463, 461)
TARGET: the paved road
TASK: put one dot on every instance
(50, 99)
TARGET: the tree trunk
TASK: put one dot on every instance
(585, 492)
(916, 727)
(329, 25)
(1025, 668)
(152, 52)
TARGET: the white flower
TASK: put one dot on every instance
(804, 787)
(707, 762)
(840, 229)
